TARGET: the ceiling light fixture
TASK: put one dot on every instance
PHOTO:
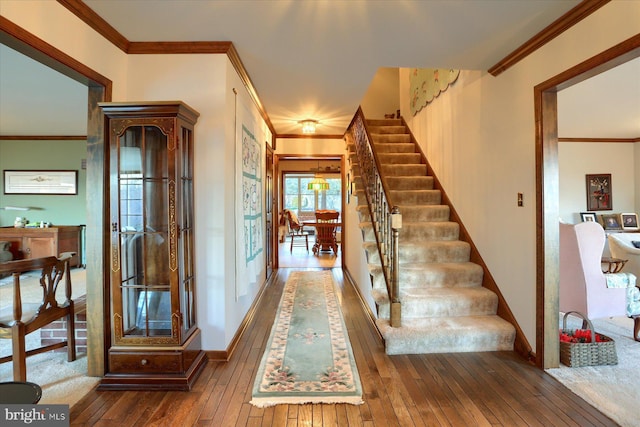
(309, 126)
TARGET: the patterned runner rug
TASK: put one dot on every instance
(308, 358)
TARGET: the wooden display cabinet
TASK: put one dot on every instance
(155, 342)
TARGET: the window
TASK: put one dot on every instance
(305, 202)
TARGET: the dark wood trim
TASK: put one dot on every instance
(92, 19)
(43, 137)
(305, 136)
(618, 140)
(162, 48)
(547, 178)
(225, 355)
(99, 89)
(549, 33)
(26, 43)
(521, 344)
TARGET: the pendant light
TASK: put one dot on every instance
(318, 183)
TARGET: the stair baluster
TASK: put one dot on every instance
(381, 209)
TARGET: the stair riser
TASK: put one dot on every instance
(404, 170)
(459, 343)
(433, 253)
(419, 197)
(434, 275)
(383, 130)
(435, 213)
(410, 183)
(399, 158)
(395, 147)
(417, 307)
(429, 231)
(383, 122)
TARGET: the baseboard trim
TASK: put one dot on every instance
(225, 355)
(371, 317)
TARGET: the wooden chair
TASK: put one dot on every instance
(21, 318)
(298, 235)
(327, 223)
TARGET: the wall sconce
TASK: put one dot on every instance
(309, 126)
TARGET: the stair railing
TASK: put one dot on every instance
(385, 216)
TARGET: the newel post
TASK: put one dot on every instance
(396, 309)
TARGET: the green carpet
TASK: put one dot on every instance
(308, 358)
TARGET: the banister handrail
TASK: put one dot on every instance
(385, 216)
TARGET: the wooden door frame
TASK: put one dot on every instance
(547, 191)
(99, 89)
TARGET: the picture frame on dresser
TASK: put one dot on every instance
(611, 222)
(588, 216)
(629, 221)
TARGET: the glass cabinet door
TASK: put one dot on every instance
(186, 251)
(142, 177)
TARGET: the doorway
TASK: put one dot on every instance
(547, 191)
(295, 174)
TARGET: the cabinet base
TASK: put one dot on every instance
(149, 368)
(180, 382)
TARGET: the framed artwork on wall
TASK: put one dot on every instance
(629, 221)
(588, 216)
(41, 182)
(599, 192)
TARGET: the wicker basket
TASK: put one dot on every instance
(576, 355)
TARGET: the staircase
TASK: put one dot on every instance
(444, 306)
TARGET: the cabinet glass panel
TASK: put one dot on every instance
(187, 283)
(144, 242)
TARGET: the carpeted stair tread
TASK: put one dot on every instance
(387, 129)
(443, 302)
(448, 334)
(409, 182)
(399, 158)
(416, 197)
(404, 170)
(441, 274)
(419, 212)
(391, 138)
(444, 306)
(418, 231)
(383, 122)
(395, 147)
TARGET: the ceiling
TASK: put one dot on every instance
(315, 59)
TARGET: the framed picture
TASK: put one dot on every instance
(629, 221)
(599, 192)
(588, 216)
(611, 222)
(40, 182)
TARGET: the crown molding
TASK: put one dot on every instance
(618, 140)
(93, 20)
(307, 136)
(43, 137)
(557, 27)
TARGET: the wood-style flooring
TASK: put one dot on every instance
(468, 389)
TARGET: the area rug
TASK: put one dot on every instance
(308, 358)
(614, 389)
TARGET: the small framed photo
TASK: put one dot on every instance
(599, 192)
(611, 222)
(629, 221)
(588, 216)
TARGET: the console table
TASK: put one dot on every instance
(29, 243)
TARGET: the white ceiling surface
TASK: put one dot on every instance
(314, 59)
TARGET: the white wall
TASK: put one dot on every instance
(575, 160)
(204, 82)
(382, 96)
(480, 138)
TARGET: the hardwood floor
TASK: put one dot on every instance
(467, 389)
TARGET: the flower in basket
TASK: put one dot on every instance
(580, 336)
